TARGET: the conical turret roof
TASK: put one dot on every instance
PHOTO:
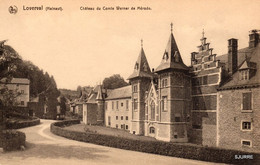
(99, 94)
(171, 57)
(141, 68)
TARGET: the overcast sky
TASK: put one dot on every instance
(83, 47)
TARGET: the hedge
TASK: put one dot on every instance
(187, 151)
(11, 140)
(23, 124)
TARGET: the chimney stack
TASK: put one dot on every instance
(232, 56)
(253, 38)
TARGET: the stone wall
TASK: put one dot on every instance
(120, 116)
(231, 116)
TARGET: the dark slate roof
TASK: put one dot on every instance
(141, 68)
(242, 53)
(123, 92)
(92, 98)
(172, 52)
(99, 94)
(252, 57)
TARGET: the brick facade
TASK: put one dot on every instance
(199, 104)
(206, 77)
(231, 115)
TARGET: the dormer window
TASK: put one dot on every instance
(176, 56)
(165, 56)
(145, 67)
(244, 74)
(136, 66)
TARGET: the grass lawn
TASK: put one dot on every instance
(107, 131)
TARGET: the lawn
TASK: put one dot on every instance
(107, 131)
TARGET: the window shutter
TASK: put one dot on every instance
(247, 101)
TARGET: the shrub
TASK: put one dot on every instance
(187, 151)
(12, 140)
(22, 124)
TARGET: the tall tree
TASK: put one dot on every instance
(114, 81)
(8, 61)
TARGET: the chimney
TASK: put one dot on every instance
(232, 56)
(253, 38)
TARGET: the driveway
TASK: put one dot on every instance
(43, 147)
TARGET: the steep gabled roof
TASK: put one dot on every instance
(141, 68)
(171, 57)
(120, 93)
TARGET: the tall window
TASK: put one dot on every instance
(146, 112)
(247, 101)
(246, 125)
(112, 105)
(106, 106)
(164, 82)
(126, 118)
(135, 104)
(152, 111)
(109, 121)
(135, 88)
(157, 113)
(164, 103)
(117, 105)
(116, 117)
(126, 104)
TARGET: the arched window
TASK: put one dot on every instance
(152, 111)
(152, 130)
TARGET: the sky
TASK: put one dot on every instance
(82, 47)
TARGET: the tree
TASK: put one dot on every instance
(114, 81)
(63, 104)
(8, 61)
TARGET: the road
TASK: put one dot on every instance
(45, 148)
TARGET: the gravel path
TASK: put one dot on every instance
(45, 148)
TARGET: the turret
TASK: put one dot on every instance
(140, 80)
(100, 106)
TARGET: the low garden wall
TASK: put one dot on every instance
(11, 140)
(187, 151)
(23, 123)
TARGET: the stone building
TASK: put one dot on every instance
(212, 102)
(206, 75)
(118, 108)
(20, 88)
(238, 124)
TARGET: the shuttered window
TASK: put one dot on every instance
(247, 101)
